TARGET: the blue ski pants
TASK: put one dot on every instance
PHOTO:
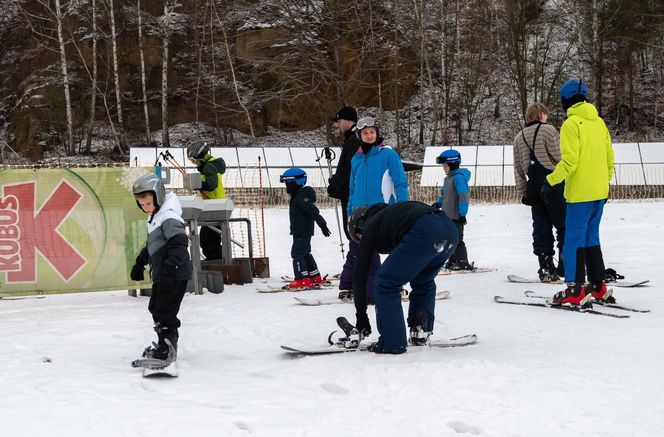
(582, 221)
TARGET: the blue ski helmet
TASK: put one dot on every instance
(573, 91)
(295, 175)
(450, 156)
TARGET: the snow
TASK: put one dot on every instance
(535, 372)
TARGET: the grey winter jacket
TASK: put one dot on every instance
(167, 243)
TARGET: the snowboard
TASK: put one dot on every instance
(335, 300)
(619, 283)
(153, 367)
(465, 340)
(444, 272)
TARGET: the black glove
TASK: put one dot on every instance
(363, 324)
(325, 230)
(545, 190)
(137, 272)
(462, 220)
(525, 201)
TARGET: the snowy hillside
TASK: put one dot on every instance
(535, 372)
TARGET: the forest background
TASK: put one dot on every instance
(95, 77)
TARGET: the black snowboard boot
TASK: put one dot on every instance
(547, 270)
(418, 321)
(160, 349)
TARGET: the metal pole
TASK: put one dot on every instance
(329, 156)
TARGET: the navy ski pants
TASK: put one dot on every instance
(304, 264)
(417, 259)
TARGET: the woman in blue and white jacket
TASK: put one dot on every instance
(377, 176)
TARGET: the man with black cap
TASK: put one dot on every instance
(339, 187)
(339, 182)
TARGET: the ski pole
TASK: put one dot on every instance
(329, 157)
(170, 159)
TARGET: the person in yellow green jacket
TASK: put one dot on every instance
(586, 166)
(211, 170)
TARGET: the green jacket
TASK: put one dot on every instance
(211, 170)
(586, 163)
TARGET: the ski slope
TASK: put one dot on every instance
(65, 361)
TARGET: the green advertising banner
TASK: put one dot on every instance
(66, 230)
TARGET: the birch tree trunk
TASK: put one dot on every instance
(235, 84)
(146, 114)
(69, 146)
(166, 36)
(116, 75)
(93, 87)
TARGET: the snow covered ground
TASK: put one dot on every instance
(64, 360)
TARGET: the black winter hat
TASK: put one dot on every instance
(346, 113)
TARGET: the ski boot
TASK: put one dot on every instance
(346, 295)
(318, 280)
(547, 270)
(299, 284)
(419, 336)
(573, 295)
(601, 294)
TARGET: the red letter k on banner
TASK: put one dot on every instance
(39, 231)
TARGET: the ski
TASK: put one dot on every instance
(20, 297)
(326, 278)
(153, 367)
(276, 289)
(500, 299)
(462, 341)
(444, 272)
(533, 295)
(335, 300)
(619, 283)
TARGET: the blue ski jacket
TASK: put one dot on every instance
(377, 177)
(454, 194)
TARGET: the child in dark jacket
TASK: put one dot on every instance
(166, 253)
(454, 201)
(302, 213)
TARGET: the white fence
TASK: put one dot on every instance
(490, 166)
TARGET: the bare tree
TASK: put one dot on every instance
(59, 17)
(116, 75)
(144, 95)
(93, 80)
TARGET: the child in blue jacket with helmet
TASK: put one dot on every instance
(302, 212)
(454, 200)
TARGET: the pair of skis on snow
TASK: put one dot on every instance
(352, 342)
(537, 300)
(153, 367)
(618, 283)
